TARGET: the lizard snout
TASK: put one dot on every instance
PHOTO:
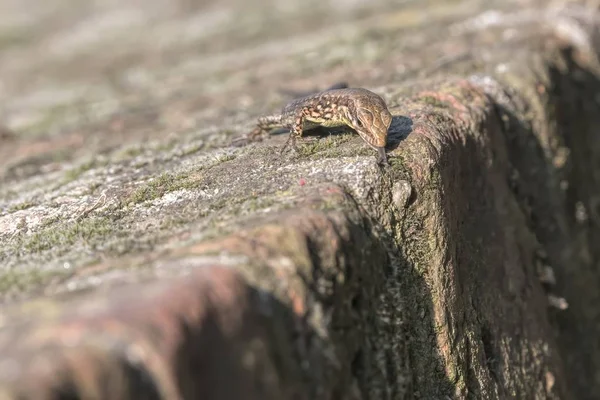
(379, 138)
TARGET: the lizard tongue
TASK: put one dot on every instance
(382, 156)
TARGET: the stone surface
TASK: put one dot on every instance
(141, 256)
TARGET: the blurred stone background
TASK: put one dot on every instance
(141, 256)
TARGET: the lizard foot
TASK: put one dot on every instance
(291, 145)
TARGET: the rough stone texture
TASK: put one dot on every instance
(143, 257)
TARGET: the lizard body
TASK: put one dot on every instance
(357, 108)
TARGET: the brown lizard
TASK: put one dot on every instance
(359, 109)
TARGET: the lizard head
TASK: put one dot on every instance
(371, 120)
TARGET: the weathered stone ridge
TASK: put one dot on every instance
(141, 256)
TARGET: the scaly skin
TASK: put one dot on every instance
(359, 109)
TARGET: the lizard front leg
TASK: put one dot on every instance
(295, 131)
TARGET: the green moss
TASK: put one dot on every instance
(225, 157)
(192, 148)
(93, 186)
(66, 235)
(166, 145)
(128, 153)
(21, 206)
(399, 169)
(365, 150)
(162, 185)
(50, 221)
(311, 147)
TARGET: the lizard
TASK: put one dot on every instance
(357, 108)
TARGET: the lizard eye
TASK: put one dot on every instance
(359, 123)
